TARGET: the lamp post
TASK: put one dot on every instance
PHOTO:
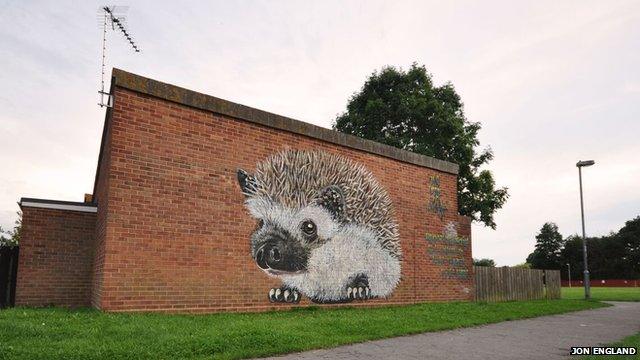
(587, 284)
(569, 272)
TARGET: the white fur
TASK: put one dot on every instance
(350, 250)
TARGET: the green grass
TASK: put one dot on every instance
(53, 333)
(633, 340)
(604, 293)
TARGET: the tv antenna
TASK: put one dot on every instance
(112, 16)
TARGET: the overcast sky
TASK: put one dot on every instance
(551, 82)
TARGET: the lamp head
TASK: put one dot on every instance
(584, 163)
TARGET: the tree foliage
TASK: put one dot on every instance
(404, 109)
(549, 242)
(613, 256)
(524, 265)
(12, 238)
(629, 237)
(484, 262)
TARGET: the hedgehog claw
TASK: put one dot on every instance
(359, 293)
(284, 295)
(358, 288)
(366, 293)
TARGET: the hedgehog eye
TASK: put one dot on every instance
(260, 223)
(309, 228)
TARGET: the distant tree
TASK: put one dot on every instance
(524, 265)
(613, 256)
(607, 257)
(549, 243)
(484, 262)
(4, 239)
(406, 110)
(12, 238)
(629, 237)
(571, 254)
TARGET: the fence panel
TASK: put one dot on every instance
(510, 284)
(8, 272)
(552, 284)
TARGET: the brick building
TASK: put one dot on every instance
(168, 227)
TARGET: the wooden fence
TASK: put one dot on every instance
(8, 273)
(552, 284)
(509, 284)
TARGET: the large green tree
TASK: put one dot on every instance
(549, 244)
(406, 110)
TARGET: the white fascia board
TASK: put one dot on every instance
(81, 208)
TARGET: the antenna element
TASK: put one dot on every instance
(109, 17)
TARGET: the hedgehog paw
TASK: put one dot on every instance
(358, 288)
(284, 295)
(359, 293)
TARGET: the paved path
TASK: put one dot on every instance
(547, 337)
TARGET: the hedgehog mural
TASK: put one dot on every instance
(326, 228)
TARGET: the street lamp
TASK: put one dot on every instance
(569, 272)
(587, 285)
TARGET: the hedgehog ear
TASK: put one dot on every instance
(332, 199)
(247, 182)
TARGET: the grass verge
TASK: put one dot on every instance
(633, 340)
(53, 333)
(604, 293)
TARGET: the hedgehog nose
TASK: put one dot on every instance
(269, 257)
(274, 255)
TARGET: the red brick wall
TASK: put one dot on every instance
(100, 196)
(56, 252)
(177, 234)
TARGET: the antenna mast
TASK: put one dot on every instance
(109, 17)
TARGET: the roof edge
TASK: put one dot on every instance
(58, 205)
(216, 105)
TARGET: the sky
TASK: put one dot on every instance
(551, 82)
